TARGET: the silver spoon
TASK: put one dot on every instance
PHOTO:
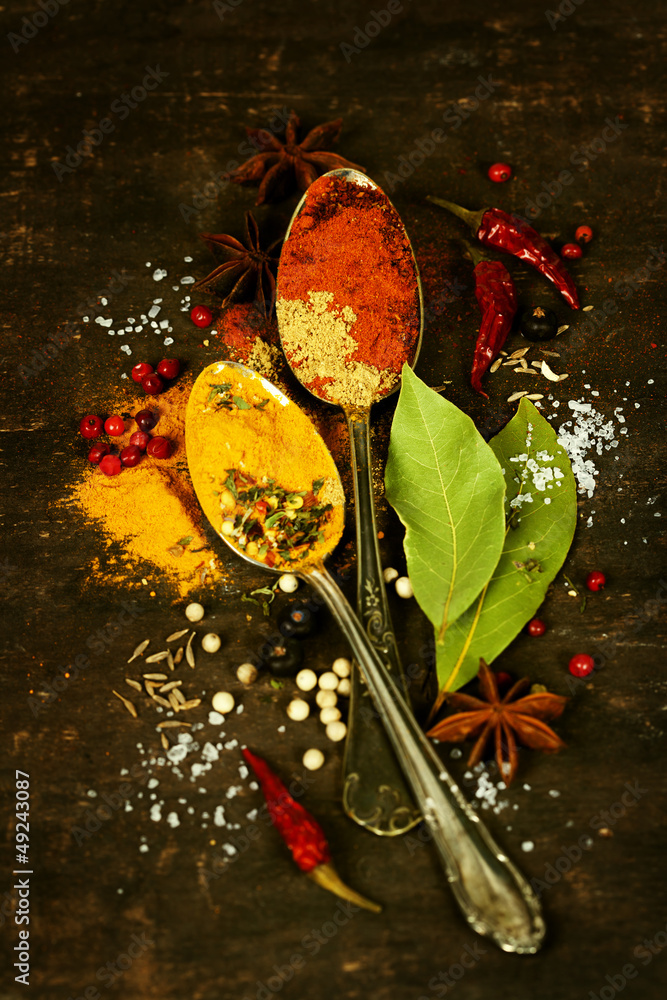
(375, 794)
(494, 897)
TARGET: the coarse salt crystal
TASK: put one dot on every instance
(173, 820)
(159, 273)
(209, 752)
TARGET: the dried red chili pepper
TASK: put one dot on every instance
(303, 834)
(496, 295)
(495, 228)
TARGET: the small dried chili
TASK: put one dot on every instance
(303, 834)
(495, 228)
(496, 295)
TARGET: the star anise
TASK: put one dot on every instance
(502, 718)
(246, 268)
(279, 164)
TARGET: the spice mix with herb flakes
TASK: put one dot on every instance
(262, 473)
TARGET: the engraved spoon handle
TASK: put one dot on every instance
(494, 897)
(375, 793)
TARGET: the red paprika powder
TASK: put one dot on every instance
(348, 300)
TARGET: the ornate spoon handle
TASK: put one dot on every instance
(494, 897)
(375, 793)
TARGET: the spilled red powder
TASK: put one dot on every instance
(239, 327)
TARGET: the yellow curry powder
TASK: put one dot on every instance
(151, 510)
(148, 512)
(261, 470)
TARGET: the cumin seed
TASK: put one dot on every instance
(496, 365)
(535, 395)
(172, 724)
(517, 395)
(156, 657)
(133, 684)
(178, 656)
(164, 741)
(155, 677)
(169, 686)
(161, 701)
(189, 655)
(174, 702)
(128, 705)
(139, 650)
(176, 635)
(192, 703)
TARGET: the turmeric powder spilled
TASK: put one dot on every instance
(263, 476)
(151, 510)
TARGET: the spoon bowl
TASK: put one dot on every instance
(238, 459)
(399, 323)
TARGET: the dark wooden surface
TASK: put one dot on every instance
(554, 88)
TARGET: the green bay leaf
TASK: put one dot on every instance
(541, 509)
(446, 486)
